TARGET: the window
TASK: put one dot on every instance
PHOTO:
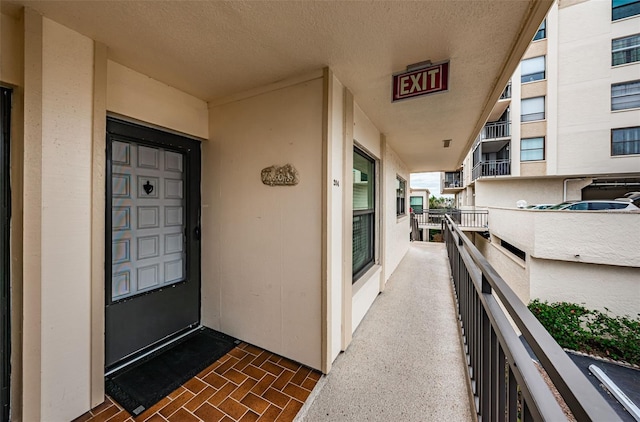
(532, 149)
(417, 204)
(401, 195)
(532, 109)
(532, 69)
(621, 9)
(625, 141)
(363, 212)
(625, 95)
(625, 50)
(542, 31)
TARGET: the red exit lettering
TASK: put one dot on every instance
(421, 82)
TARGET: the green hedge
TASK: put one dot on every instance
(577, 328)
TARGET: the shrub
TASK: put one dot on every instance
(577, 328)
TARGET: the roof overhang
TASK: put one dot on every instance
(213, 49)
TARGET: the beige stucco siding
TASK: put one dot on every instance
(140, 97)
(337, 203)
(397, 228)
(505, 193)
(59, 97)
(261, 254)
(11, 62)
(365, 290)
(584, 110)
(594, 286)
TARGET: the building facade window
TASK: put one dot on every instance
(542, 31)
(532, 69)
(625, 50)
(625, 95)
(625, 141)
(364, 212)
(417, 204)
(621, 9)
(401, 196)
(532, 149)
(532, 109)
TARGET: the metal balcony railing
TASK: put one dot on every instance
(496, 130)
(452, 180)
(507, 92)
(463, 218)
(506, 383)
(491, 168)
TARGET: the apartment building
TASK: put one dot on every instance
(235, 165)
(567, 127)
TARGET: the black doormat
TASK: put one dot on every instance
(142, 384)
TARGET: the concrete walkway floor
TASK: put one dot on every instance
(405, 361)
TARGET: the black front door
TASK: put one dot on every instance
(152, 239)
(5, 216)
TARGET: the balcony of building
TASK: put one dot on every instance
(492, 168)
(502, 104)
(466, 220)
(451, 182)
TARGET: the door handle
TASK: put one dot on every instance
(196, 233)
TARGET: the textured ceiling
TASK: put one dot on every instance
(212, 49)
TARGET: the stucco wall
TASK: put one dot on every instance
(57, 175)
(513, 270)
(505, 193)
(336, 163)
(366, 289)
(584, 108)
(574, 256)
(261, 245)
(594, 286)
(135, 95)
(11, 47)
(397, 228)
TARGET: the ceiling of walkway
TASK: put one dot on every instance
(212, 49)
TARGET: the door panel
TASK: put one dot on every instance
(153, 258)
(148, 221)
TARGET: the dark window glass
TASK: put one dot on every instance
(625, 50)
(625, 141)
(363, 213)
(625, 95)
(542, 31)
(621, 9)
(401, 195)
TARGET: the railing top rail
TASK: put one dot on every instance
(581, 397)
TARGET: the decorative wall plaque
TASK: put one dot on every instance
(285, 175)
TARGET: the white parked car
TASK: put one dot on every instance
(599, 205)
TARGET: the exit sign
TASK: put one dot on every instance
(423, 81)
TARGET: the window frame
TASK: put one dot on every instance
(636, 141)
(615, 105)
(543, 149)
(627, 50)
(370, 211)
(411, 205)
(535, 76)
(534, 118)
(542, 29)
(401, 197)
(628, 9)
